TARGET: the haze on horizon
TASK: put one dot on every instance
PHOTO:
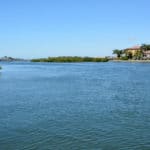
(42, 28)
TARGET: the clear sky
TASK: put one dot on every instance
(42, 28)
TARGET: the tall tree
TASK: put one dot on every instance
(118, 52)
(129, 55)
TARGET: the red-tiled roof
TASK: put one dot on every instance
(134, 48)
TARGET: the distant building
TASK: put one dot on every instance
(5, 58)
(133, 49)
(146, 54)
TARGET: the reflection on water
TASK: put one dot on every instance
(103, 106)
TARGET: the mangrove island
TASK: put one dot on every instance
(68, 59)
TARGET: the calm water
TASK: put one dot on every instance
(80, 106)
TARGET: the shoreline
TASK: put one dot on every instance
(136, 61)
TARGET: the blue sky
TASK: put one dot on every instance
(42, 28)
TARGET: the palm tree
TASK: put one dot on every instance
(145, 47)
(118, 52)
(139, 55)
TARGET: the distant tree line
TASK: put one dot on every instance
(70, 59)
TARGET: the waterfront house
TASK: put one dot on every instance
(133, 50)
(136, 52)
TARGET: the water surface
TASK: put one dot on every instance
(75, 106)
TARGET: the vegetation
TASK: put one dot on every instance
(138, 55)
(124, 58)
(129, 55)
(145, 47)
(118, 52)
(70, 59)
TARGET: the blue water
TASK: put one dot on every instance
(76, 106)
